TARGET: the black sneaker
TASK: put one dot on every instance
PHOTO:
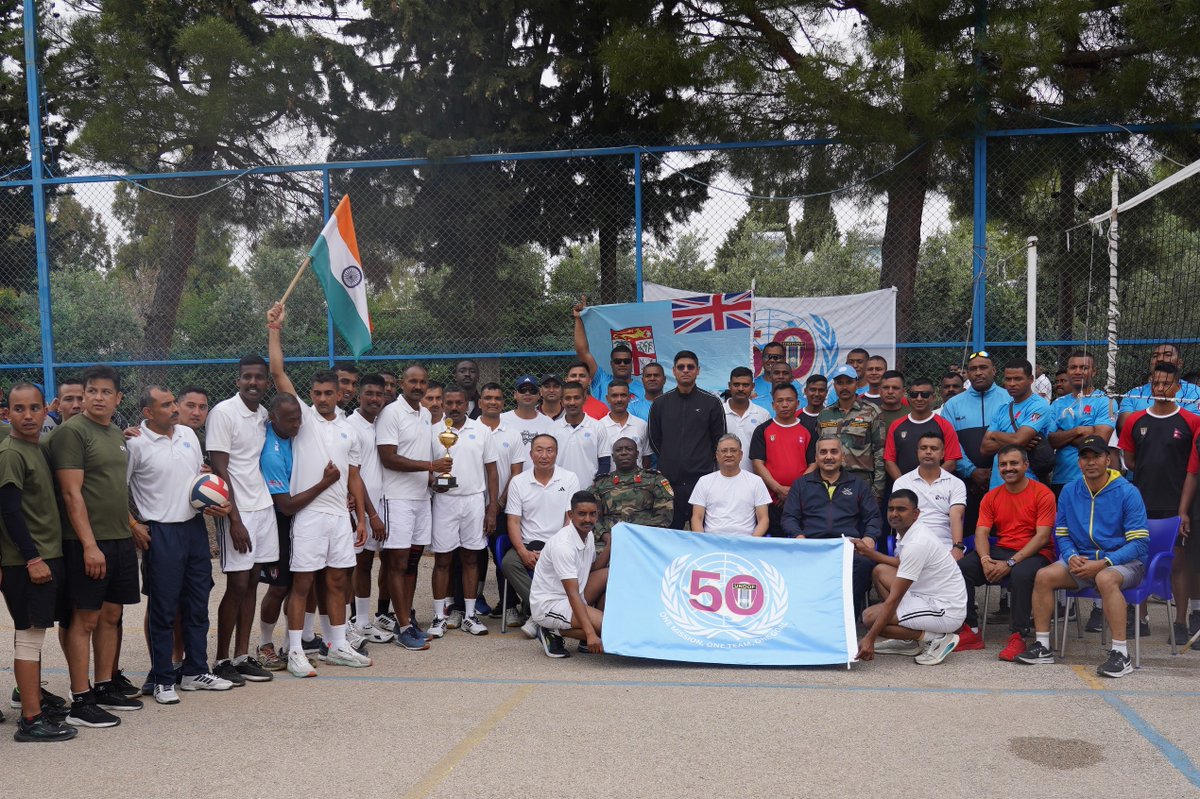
(125, 688)
(1070, 613)
(1095, 621)
(1117, 665)
(253, 671)
(311, 646)
(110, 698)
(42, 729)
(1036, 655)
(86, 713)
(227, 671)
(50, 700)
(1143, 625)
(1180, 632)
(1193, 623)
(552, 644)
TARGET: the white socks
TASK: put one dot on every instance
(310, 621)
(469, 604)
(337, 636)
(266, 631)
(439, 608)
(1120, 647)
(1043, 639)
(362, 610)
(326, 629)
(295, 644)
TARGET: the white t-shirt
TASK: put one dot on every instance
(633, 428)
(935, 501)
(408, 429)
(528, 428)
(581, 446)
(471, 453)
(318, 442)
(926, 561)
(369, 468)
(235, 429)
(541, 508)
(160, 473)
(743, 427)
(729, 502)
(510, 449)
(565, 557)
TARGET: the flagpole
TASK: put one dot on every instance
(303, 265)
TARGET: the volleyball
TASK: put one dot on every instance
(208, 490)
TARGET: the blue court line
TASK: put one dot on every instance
(1174, 755)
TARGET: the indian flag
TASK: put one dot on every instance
(338, 266)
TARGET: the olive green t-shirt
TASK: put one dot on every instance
(24, 465)
(99, 450)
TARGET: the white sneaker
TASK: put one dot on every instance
(472, 625)
(512, 618)
(437, 628)
(299, 665)
(454, 620)
(385, 622)
(165, 695)
(205, 682)
(530, 628)
(894, 646)
(344, 655)
(355, 638)
(374, 634)
(937, 649)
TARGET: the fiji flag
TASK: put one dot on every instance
(717, 327)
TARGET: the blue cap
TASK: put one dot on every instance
(845, 370)
(527, 380)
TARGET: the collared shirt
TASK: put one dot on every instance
(581, 446)
(511, 449)
(541, 508)
(160, 474)
(1142, 397)
(930, 567)
(408, 429)
(566, 556)
(1069, 412)
(369, 467)
(471, 453)
(318, 442)
(527, 428)
(1032, 412)
(743, 427)
(633, 428)
(234, 429)
(935, 499)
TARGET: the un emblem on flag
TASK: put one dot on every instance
(723, 601)
(351, 276)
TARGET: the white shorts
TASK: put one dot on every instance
(321, 540)
(372, 545)
(554, 614)
(408, 521)
(458, 522)
(922, 612)
(264, 541)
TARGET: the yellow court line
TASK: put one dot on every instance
(443, 767)
(1085, 674)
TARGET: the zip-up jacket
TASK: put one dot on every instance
(683, 430)
(969, 413)
(814, 511)
(1108, 525)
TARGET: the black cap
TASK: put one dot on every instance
(551, 378)
(1095, 444)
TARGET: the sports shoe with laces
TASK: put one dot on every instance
(269, 659)
(1143, 624)
(1037, 654)
(1095, 620)
(385, 622)
(124, 687)
(298, 665)
(1117, 665)
(552, 643)
(227, 671)
(968, 640)
(314, 646)
(42, 729)
(374, 634)
(895, 646)
(454, 619)
(204, 682)
(512, 618)
(1014, 647)
(356, 640)
(1180, 632)
(472, 625)
(437, 628)
(54, 700)
(165, 695)
(109, 698)
(412, 640)
(530, 628)
(344, 655)
(252, 670)
(86, 713)
(937, 649)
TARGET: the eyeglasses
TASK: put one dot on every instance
(772, 357)
(921, 394)
(685, 367)
(980, 354)
(527, 390)
(622, 361)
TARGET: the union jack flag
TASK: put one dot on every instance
(708, 313)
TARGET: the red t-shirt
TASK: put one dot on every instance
(1014, 518)
(595, 408)
(900, 447)
(784, 450)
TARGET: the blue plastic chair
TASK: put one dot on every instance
(1158, 581)
(503, 544)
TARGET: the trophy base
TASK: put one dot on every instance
(445, 481)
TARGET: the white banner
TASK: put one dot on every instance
(818, 332)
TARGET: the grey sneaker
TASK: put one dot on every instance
(454, 619)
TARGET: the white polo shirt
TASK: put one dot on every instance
(161, 470)
(935, 499)
(528, 428)
(318, 442)
(581, 446)
(235, 429)
(743, 427)
(933, 572)
(510, 449)
(566, 556)
(369, 468)
(473, 450)
(541, 508)
(730, 503)
(633, 428)
(408, 429)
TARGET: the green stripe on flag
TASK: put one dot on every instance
(345, 313)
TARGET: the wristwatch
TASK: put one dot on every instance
(960, 546)
(1010, 563)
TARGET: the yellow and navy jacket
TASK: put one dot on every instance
(1108, 525)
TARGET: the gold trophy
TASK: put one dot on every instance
(447, 438)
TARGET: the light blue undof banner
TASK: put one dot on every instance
(705, 598)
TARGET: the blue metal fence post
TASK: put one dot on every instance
(37, 174)
(326, 212)
(979, 178)
(637, 223)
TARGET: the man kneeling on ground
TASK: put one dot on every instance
(925, 599)
(569, 582)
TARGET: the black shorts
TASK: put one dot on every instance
(119, 585)
(32, 604)
(1190, 547)
(279, 573)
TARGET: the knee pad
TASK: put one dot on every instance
(27, 644)
(414, 560)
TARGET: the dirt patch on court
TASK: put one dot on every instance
(1056, 753)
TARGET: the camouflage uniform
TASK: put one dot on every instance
(642, 496)
(862, 435)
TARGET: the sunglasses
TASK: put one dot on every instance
(772, 357)
(527, 390)
(686, 367)
(980, 354)
(922, 394)
(622, 361)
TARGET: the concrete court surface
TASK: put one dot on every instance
(493, 717)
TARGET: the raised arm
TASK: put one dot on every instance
(275, 350)
(582, 350)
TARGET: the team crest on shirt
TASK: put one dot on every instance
(903, 434)
(720, 600)
(847, 492)
(1141, 431)
(772, 436)
(1176, 434)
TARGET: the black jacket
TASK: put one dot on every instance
(811, 512)
(684, 429)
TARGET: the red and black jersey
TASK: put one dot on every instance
(1164, 451)
(900, 446)
(811, 423)
(784, 450)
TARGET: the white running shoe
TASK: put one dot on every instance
(937, 649)
(894, 646)
(530, 628)
(437, 628)
(205, 682)
(454, 620)
(385, 622)
(374, 634)
(344, 655)
(299, 665)
(472, 625)
(512, 618)
(165, 695)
